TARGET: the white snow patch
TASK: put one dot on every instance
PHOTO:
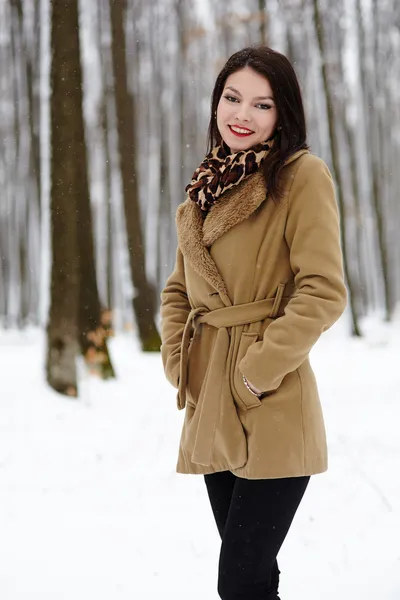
(91, 506)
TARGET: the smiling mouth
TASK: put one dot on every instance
(240, 131)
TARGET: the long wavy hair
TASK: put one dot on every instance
(290, 134)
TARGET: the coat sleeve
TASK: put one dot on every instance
(313, 237)
(175, 308)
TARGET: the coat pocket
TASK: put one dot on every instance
(242, 395)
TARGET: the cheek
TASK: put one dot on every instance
(220, 117)
(266, 123)
(272, 119)
(223, 112)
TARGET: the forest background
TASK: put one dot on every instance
(104, 108)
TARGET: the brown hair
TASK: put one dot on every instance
(291, 131)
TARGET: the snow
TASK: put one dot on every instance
(91, 506)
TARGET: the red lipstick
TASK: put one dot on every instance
(242, 135)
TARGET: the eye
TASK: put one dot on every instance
(264, 106)
(231, 98)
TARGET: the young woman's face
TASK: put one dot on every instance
(246, 112)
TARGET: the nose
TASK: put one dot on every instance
(242, 113)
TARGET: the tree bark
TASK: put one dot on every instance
(106, 127)
(144, 301)
(335, 161)
(75, 314)
(262, 8)
(62, 329)
(368, 83)
(32, 82)
(94, 324)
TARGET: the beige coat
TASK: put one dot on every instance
(253, 289)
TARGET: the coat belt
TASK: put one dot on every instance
(221, 319)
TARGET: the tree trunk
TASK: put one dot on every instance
(94, 325)
(106, 127)
(362, 276)
(75, 314)
(335, 161)
(31, 82)
(27, 178)
(368, 82)
(62, 329)
(380, 164)
(144, 300)
(262, 8)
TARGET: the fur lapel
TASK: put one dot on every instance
(234, 207)
(196, 235)
(189, 222)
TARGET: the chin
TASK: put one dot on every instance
(242, 145)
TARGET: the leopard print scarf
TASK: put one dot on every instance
(220, 171)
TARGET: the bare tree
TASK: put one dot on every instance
(105, 52)
(74, 320)
(27, 126)
(62, 330)
(146, 101)
(144, 302)
(262, 8)
(368, 70)
(335, 159)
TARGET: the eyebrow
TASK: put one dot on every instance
(229, 87)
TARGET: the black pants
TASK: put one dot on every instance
(253, 517)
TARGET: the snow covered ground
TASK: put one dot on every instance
(91, 507)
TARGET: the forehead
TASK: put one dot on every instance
(249, 83)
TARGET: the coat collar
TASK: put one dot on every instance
(196, 235)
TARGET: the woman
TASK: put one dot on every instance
(258, 278)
